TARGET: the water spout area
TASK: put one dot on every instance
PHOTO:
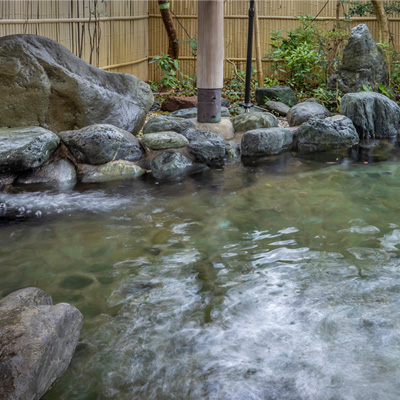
(277, 281)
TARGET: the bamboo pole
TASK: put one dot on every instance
(260, 77)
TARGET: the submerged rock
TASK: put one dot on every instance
(374, 115)
(171, 164)
(47, 85)
(37, 342)
(164, 140)
(99, 144)
(56, 172)
(249, 121)
(206, 147)
(266, 142)
(163, 123)
(25, 148)
(111, 171)
(325, 134)
(363, 64)
(283, 94)
(302, 112)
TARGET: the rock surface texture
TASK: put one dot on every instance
(37, 342)
(374, 115)
(206, 147)
(249, 121)
(115, 170)
(279, 93)
(163, 123)
(192, 113)
(48, 86)
(266, 142)
(25, 148)
(363, 64)
(100, 144)
(171, 164)
(325, 134)
(56, 172)
(164, 140)
(302, 112)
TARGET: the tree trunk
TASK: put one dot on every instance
(383, 24)
(173, 46)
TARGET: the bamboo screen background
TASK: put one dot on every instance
(132, 31)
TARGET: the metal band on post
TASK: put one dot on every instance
(209, 105)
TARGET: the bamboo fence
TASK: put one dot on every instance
(124, 35)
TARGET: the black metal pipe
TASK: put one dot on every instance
(247, 103)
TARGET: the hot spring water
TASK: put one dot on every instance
(279, 281)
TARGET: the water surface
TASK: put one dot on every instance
(274, 281)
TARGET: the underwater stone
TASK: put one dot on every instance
(102, 143)
(47, 85)
(265, 142)
(76, 282)
(25, 148)
(37, 343)
(302, 112)
(248, 121)
(374, 115)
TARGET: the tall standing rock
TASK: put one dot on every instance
(363, 64)
(48, 86)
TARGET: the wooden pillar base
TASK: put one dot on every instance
(209, 105)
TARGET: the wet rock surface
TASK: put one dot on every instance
(374, 115)
(164, 140)
(325, 134)
(47, 85)
(112, 171)
(249, 121)
(37, 342)
(99, 144)
(25, 148)
(363, 64)
(265, 142)
(163, 123)
(56, 172)
(192, 113)
(302, 112)
(206, 147)
(171, 164)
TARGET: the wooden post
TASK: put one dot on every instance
(210, 59)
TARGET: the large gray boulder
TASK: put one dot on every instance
(266, 142)
(374, 115)
(26, 147)
(248, 121)
(363, 64)
(283, 94)
(100, 144)
(325, 134)
(206, 147)
(302, 112)
(163, 123)
(59, 172)
(47, 85)
(37, 342)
